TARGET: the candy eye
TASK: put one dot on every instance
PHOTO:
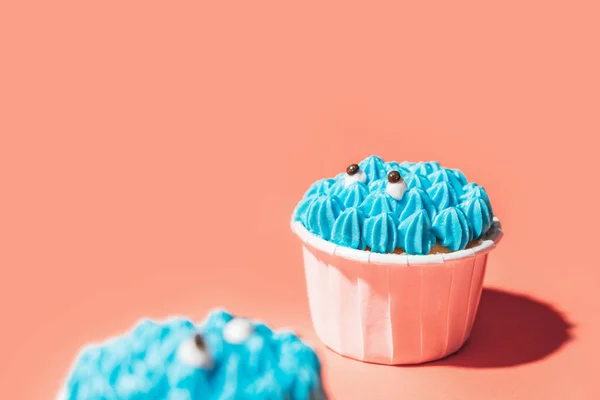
(194, 352)
(396, 186)
(237, 330)
(352, 169)
(394, 177)
(354, 174)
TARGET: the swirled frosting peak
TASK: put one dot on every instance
(479, 215)
(380, 233)
(347, 229)
(415, 200)
(321, 215)
(451, 227)
(443, 195)
(374, 167)
(475, 191)
(426, 203)
(462, 179)
(447, 176)
(377, 185)
(322, 186)
(403, 168)
(379, 202)
(302, 208)
(427, 168)
(417, 180)
(415, 235)
(353, 195)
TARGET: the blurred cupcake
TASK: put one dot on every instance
(395, 255)
(223, 358)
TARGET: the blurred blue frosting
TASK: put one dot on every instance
(222, 358)
(436, 196)
(451, 227)
(347, 229)
(414, 233)
(380, 233)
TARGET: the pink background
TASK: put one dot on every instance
(152, 152)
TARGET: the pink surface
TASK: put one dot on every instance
(151, 154)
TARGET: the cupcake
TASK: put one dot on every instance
(395, 256)
(223, 358)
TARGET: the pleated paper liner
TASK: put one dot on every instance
(393, 308)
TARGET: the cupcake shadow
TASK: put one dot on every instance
(510, 330)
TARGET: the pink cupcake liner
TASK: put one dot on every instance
(391, 308)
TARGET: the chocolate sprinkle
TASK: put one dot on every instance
(199, 341)
(352, 169)
(394, 177)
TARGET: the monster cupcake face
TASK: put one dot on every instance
(414, 234)
(225, 357)
(426, 207)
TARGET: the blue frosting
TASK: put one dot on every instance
(417, 180)
(379, 202)
(145, 364)
(353, 195)
(473, 190)
(378, 185)
(374, 167)
(337, 186)
(426, 168)
(432, 189)
(320, 187)
(402, 168)
(416, 200)
(448, 176)
(460, 176)
(392, 166)
(443, 195)
(321, 215)
(415, 235)
(452, 229)
(467, 188)
(380, 233)
(347, 229)
(302, 208)
(479, 215)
